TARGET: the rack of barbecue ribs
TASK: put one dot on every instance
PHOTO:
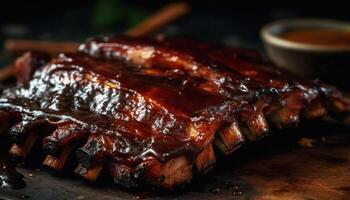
(151, 111)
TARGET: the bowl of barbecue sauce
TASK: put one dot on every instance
(317, 48)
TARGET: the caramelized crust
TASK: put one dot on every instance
(151, 109)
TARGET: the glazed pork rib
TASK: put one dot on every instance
(149, 111)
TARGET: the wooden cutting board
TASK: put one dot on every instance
(276, 167)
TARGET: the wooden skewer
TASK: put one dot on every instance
(163, 16)
(6, 72)
(15, 46)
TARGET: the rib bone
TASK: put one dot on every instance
(63, 136)
(21, 151)
(58, 163)
(123, 175)
(316, 109)
(229, 138)
(284, 117)
(90, 174)
(255, 127)
(151, 109)
(170, 174)
(206, 160)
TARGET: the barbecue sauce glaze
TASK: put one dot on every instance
(131, 110)
(143, 115)
(328, 37)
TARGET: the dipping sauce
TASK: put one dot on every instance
(329, 37)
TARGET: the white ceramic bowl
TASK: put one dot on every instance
(328, 62)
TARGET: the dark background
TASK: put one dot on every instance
(235, 22)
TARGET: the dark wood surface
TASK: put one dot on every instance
(274, 168)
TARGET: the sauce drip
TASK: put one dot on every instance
(329, 37)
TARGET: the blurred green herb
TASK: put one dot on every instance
(109, 13)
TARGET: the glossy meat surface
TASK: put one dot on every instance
(158, 105)
(140, 113)
(231, 72)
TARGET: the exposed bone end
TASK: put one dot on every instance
(316, 109)
(50, 148)
(16, 132)
(20, 131)
(84, 157)
(89, 174)
(89, 166)
(52, 162)
(229, 138)
(284, 117)
(206, 160)
(339, 108)
(123, 175)
(255, 127)
(176, 171)
(95, 150)
(58, 163)
(23, 150)
(64, 135)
